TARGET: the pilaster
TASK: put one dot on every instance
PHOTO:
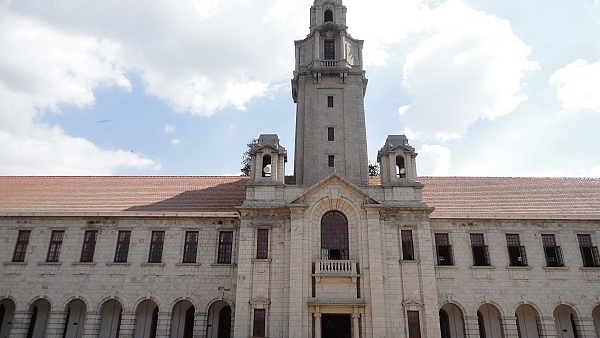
(92, 322)
(20, 324)
(297, 306)
(127, 328)
(56, 324)
(374, 239)
(164, 323)
(471, 327)
(547, 327)
(509, 326)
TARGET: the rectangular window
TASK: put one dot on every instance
(552, 251)
(331, 161)
(122, 246)
(225, 247)
(414, 325)
(444, 249)
(589, 253)
(262, 244)
(156, 247)
(329, 50)
(21, 246)
(259, 323)
(516, 252)
(56, 240)
(190, 248)
(481, 256)
(330, 134)
(330, 101)
(89, 246)
(408, 252)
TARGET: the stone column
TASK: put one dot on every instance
(378, 322)
(355, 325)
(471, 327)
(317, 324)
(200, 324)
(509, 326)
(20, 324)
(56, 324)
(585, 327)
(297, 306)
(547, 327)
(92, 323)
(127, 329)
(163, 327)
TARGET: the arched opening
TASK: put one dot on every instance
(444, 324)
(527, 321)
(111, 318)
(334, 236)
(488, 318)
(75, 318)
(38, 320)
(596, 317)
(219, 320)
(455, 323)
(266, 166)
(565, 321)
(328, 15)
(146, 319)
(182, 321)
(7, 313)
(400, 166)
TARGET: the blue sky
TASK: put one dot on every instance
(480, 87)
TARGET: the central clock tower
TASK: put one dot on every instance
(328, 88)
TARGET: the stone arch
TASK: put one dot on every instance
(7, 313)
(455, 313)
(74, 317)
(489, 318)
(596, 318)
(220, 316)
(39, 314)
(528, 319)
(146, 318)
(101, 303)
(229, 302)
(182, 320)
(480, 303)
(194, 302)
(72, 298)
(111, 310)
(566, 317)
(142, 299)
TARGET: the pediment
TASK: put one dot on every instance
(412, 304)
(344, 187)
(259, 302)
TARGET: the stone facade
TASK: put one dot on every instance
(333, 255)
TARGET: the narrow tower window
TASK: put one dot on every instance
(330, 134)
(329, 50)
(331, 161)
(400, 167)
(266, 166)
(328, 15)
(330, 101)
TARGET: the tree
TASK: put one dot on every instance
(373, 169)
(246, 157)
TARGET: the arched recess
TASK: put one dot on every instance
(489, 320)
(110, 323)
(7, 313)
(334, 236)
(528, 321)
(452, 321)
(39, 312)
(565, 320)
(74, 319)
(219, 320)
(146, 319)
(596, 317)
(328, 15)
(182, 321)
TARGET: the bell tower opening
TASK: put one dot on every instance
(329, 15)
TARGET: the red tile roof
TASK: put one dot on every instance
(509, 197)
(452, 197)
(110, 194)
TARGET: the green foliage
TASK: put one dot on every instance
(246, 157)
(373, 169)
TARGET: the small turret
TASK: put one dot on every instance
(397, 160)
(267, 160)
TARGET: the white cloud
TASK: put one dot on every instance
(170, 128)
(175, 141)
(43, 69)
(470, 68)
(578, 85)
(434, 160)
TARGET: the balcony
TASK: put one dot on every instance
(330, 66)
(336, 268)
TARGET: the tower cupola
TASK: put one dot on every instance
(397, 160)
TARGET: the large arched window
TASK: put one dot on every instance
(334, 236)
(328, 15)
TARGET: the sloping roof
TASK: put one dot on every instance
(510, 197)
(110, 194)
(452, 197)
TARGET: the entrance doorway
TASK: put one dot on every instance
(336, 326)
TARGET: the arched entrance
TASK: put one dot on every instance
(38, 318)
(596, 317)
(219, 320)
(182, 322)
(488, 318)
(451, 322)
(527, 321)
(146, 319)
(111, 318)
(75, 318)
(565, 321)
(7, 312)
